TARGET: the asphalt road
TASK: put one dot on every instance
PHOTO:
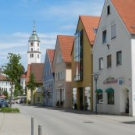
(60, 122)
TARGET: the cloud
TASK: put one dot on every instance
(74, 8)
(67, 27)
(18, 43)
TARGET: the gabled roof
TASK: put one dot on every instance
(37, 70)
(90, 23)
(66, 44)
(126, 10)
(50, 53)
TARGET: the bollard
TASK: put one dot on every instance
(39, 130)
(32, 126)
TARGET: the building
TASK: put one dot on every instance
(37, 70)
(48, 78)
(113, 59)
(82, 62)
(62, 70)
(4, 85)
(23, 83)
(34, 54)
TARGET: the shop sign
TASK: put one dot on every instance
(110, 80)
(121, 81)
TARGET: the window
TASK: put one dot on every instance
(78, 56)
(108, 10)
(109, 61)
(95, 31)
(110, 97)
(104, 36)
(38, 55)
(100, 98)
(31, 49)
(113, 31)
(100, 63)
(59, 58)
(31, 55)
(37, 44)
(31, 44)
(119, 58)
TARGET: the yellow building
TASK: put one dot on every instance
(82, 80)
(37, 70)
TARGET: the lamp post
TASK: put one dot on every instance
(95, 75)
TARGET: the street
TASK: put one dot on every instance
(60, 122)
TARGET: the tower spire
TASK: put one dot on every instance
(34, 26)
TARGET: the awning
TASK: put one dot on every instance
(109, 90)
(99, 91)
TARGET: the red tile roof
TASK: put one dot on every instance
(37, 70)
(23, 76)
(90, 23)
(66, 44)
(2, 77)
(50, 53)
(126, 10)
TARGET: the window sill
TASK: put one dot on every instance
(113, 38)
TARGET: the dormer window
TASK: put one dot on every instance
(108, 10)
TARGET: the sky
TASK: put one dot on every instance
(52, 17)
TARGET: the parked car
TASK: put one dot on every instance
(3, 103)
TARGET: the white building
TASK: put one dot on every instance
(113, 58)
(23, 82)
(34, 54)
(4, 84)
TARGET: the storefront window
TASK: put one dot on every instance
(100, 98)
(110, 97)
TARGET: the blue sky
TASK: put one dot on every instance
(52, 17)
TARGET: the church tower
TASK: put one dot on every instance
(34, 54)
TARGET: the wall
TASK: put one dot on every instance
(121, 42)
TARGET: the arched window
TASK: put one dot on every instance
(31, 43)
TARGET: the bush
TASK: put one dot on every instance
(9, 110)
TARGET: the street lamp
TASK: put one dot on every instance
(95, 75)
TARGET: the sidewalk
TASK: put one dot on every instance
(15, 124)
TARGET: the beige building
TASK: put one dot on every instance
(62, 70)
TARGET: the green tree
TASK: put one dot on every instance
(18, 90)
(13, 71)
(31, 85)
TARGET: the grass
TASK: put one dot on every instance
(9, 110)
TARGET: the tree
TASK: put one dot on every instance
(13, 71)
(31, 85)
(5, 93)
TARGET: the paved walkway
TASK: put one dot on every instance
(15, 124)
(20, 124)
